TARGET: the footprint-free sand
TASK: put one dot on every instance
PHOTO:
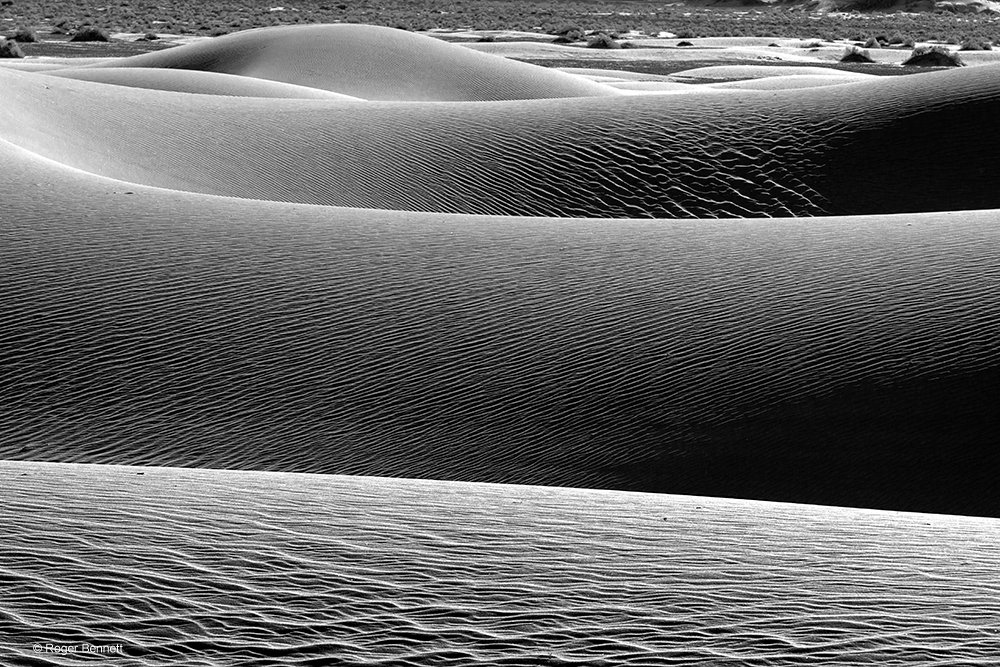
(362, 252)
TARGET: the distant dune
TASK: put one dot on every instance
(207, 567)
(370, 62)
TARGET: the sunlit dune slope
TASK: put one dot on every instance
(371, 62)
(206, 83)
(205, 567)
(843, 360)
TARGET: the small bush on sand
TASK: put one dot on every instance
(89, 33)
(570, 31)
(975, 45)
(150, 37)
(24, 35)
(10, 49)
(602, 41)
(687, 43)
(853, 54)
(873, 43)
(933, 56)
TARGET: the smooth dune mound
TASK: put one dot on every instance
(787, 82)
(206, 83)
(369, 62)
(740, 72)
(877, 146)
(187, 567)
(850, 361)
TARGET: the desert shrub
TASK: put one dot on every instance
(602, 41)
(873, 43)
(24, 35)
(89, 33)
(811, 44)
(853, 54)
(10, 49)
(975, 45)
(487, 38)
(571, 30)
(687, 43)
(933, 56)
(149, 37)
(896, 38)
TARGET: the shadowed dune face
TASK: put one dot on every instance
(262, 569)
(846, 361)
(901, 144)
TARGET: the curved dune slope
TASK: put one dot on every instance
(206, 83)
(851, 361)
(204, 567)
(894, 144)
(370, 62)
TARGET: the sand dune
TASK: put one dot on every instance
(159, 327)
(205, 567)
(862, 148)
(370, 62)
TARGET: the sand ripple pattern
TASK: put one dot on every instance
(688, 357)
(206, 568)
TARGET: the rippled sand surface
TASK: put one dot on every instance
(188, 567)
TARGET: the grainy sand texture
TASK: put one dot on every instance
(302, 327)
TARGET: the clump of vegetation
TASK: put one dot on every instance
(811, 44)
(974, 45)
(602, 41)
(687, 43)
(90, 33)
(567, 34)
(150, 37)
(487, 39)
(24, 35)
(10, 49)
(854, 54)
(933, 56)
(60, 27)
(873, 43)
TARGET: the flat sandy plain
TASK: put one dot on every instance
(497, 306)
